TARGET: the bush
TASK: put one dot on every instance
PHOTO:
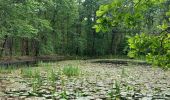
(156, 48)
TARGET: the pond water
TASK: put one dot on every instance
(91, 81)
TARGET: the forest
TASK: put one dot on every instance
(84, 49)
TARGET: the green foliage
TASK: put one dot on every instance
(64, 94)
(132, 15)
(154, 47)
(45, 27)
(71, 71)
(138, 45)
(137, 17)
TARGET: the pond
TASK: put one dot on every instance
(85, 80)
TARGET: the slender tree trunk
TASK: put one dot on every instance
(27, 47)
(93, 43)
(53, 22)
(37, 47)
(94, 37)
(22, 44)
(3, 45)
(112, 42)
(11, 47)
(67, 34)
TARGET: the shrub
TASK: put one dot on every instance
(156, 48)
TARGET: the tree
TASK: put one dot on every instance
(21, 21)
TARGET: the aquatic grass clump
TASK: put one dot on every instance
(70, 70)
(30, 73)
(124, 73)
(7, 69)
(115, 92)
(37, 80)
(4, 70)
(52, 77)
(44, 64)
(27, 72)
(36, 74)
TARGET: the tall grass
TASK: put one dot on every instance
(70, 70)
(52, 77)
(30, 73)
(115, 92)
(27, 72)
(7, 70)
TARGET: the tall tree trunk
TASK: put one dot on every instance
(53, 23)
(78, 31)
(3, 45)
(27, 47)
(112, 42)
(94, 37)
(22, 46)
(11, 47)
(67, 34)
(93, 43)
(37, 47)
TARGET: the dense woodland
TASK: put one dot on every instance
(40, 27)
(84, 27)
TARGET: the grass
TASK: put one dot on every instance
(27, 72)
(70, 71)
(123, 73)
(52, 77)
(30, 73)
(35, 85)
(115, 91)
(5, 70)
(37, 80)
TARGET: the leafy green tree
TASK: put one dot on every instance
(20, 20)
